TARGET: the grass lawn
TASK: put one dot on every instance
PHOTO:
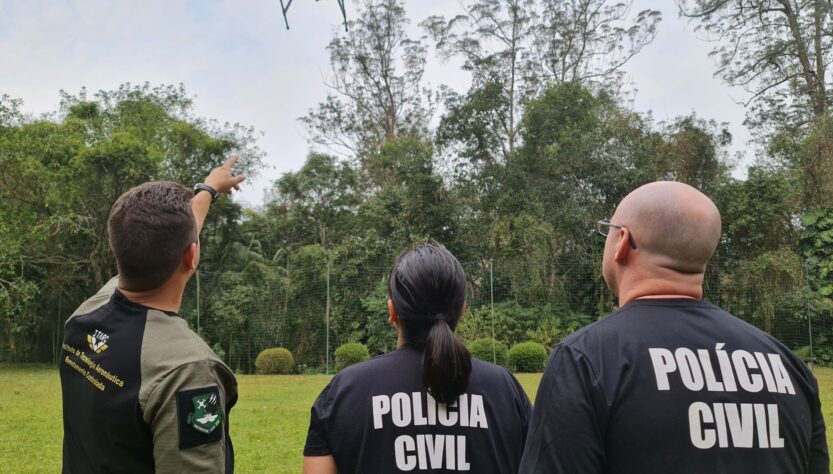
(268, 425)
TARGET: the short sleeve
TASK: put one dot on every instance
(317, 436)
(566, 433)
(819, 457)
(522, 403)
(188, 415)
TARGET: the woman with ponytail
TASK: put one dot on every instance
(428, 406)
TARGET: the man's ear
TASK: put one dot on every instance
(623, 247)
(393, 318)
(191, 257)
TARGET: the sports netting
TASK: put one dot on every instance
(311, 307)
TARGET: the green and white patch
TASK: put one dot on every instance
(200, 412)
(206, 415)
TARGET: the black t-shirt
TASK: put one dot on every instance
(675, 386)
(376, 417)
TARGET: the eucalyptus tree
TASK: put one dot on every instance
(589, 41)
(778, 51)
(515, 49)
(376, 89)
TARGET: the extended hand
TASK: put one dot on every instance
(221, 178)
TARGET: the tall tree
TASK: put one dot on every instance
(493, 38)
(319, 196)
(589, 41)
(376, 83)
(413, 202)
(515, 48)
(694, 151)
(777, 50)
(758, 213)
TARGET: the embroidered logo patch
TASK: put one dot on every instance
(206, 416)
(200, 415)
(98, 341)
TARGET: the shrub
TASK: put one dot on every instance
(528, 357)
(485, 348)
(274, 361)
(351, 353)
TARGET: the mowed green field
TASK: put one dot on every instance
(268, 425)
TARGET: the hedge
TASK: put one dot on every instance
(351, 353)
(274, 361)
(483, 349)
(528, 357)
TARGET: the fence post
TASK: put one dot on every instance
(806, 272)
(327, 315)
(492, 296)
(810, 330)
(198, 301)
(56, 342)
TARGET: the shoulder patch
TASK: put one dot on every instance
(200, 416)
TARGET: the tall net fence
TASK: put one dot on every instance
(313, 308)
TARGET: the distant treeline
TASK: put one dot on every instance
(511, 175)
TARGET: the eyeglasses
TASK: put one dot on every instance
(603, 227)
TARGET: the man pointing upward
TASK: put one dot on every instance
(670, 383)
(142, 392)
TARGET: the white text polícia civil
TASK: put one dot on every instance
(725, 425)
(429, 451)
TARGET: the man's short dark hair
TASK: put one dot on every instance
(150, 227)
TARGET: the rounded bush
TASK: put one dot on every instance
(351, 353)
(528, 357)
(483, 349)
(274, 361)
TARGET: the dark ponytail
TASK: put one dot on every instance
(428, 290)
(446, 364)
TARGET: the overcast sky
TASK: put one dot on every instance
(242, 65)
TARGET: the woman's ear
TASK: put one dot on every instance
(393, 318)
(463, 312)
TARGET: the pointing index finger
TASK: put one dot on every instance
(231, 161)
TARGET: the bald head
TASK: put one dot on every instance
(674, 224)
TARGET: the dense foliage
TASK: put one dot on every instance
(510, 175)
(59, 175)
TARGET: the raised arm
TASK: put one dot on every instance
(222, 181)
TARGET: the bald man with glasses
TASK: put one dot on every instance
(670, 383)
